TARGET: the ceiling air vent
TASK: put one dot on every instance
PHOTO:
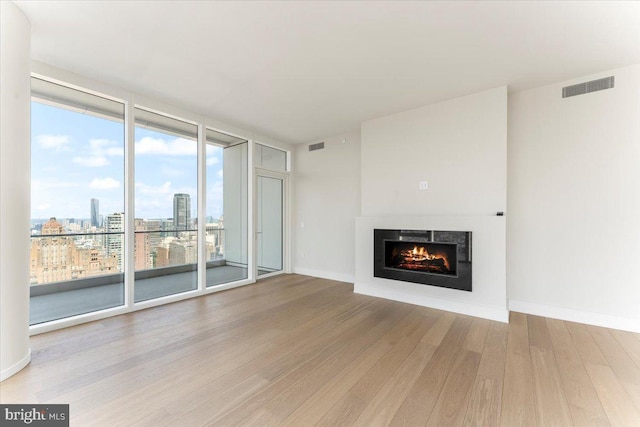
(592, 86)
(318, 146)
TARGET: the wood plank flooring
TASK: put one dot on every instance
(299, 351)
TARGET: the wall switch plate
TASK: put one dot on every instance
(423, 185)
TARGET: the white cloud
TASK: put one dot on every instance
(100, 143)
(114, 151)
(99, 149)
(220, 173)
(176, 147)
(104, 183)
(212, 161)
(57, 142)
(106, 145)
(91, 161)
(142, 188)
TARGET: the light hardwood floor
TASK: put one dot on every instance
(294, 350)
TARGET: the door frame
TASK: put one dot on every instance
(286, 207)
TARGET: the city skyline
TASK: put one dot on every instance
(78, 157)
(60, 256)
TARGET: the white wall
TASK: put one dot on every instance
(15, 188)
(457, 146)
(574, 202)
(460, 147)
(327, 201)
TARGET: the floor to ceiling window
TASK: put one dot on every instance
(118, 219)
(227, 208)
(166, 189)
(77, 202)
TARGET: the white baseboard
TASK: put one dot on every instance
(330, 275)
(12, 370)
(578, 316)
(485, 312)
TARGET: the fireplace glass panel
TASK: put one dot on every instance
(427, 257)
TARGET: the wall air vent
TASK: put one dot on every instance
(318, 146)
(592, 86)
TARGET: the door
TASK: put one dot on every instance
(270, 222)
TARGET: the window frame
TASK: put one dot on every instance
(131, 100)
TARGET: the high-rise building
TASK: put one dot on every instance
(155, 235)
(167, 227)
(181, 211)
(114, 226)
(95, 213)
(214, 236)
(162, 256)
(60, 258)
(142, 249)
(183, 252)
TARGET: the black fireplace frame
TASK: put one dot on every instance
(462, 239)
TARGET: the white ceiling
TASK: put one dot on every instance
(299, 71)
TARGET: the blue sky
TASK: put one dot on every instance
(76, 157)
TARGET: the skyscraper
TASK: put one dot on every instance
(181, 211)
(95, 213)
(114, 226)
(142, 246)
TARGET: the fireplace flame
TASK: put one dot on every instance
(420, 254)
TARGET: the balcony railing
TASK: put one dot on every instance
(63, 298)
(70, 285)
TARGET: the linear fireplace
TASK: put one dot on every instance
(438, 258)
